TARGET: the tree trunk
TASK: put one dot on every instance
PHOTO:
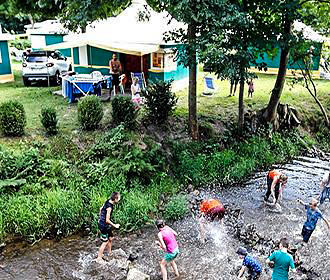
(270, 113)
(31, 21)
(192, 94)
(324, 113)
(241, 103)
(309, 78)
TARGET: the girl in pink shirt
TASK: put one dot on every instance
(167, 241)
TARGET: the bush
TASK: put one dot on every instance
(49, 120)
(160, 101)
(90, 112)
(176, 208)
(21, 44)
(12, 118)
(123, 111)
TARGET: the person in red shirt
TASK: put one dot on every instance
(210, 210)
(276, 182)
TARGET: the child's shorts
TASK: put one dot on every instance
(171, 256)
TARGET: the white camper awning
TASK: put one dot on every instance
(128, 48)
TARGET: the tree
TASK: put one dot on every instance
(236, 43)
(304, 58)
(14, 14)
(283, 15)
(199, 17)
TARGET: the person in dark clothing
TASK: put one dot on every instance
(106, 225)
(253, 266)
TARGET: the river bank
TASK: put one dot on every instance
(257, 228)
(54, 190)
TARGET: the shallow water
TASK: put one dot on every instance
(71, 258)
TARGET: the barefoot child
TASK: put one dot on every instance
(106, 225)
(313, 214)
(167, 241)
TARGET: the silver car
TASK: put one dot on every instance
(44, 66)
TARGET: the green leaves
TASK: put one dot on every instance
(90, 112)
(12, 118)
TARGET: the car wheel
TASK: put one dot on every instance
(26, 82)
(57, 79)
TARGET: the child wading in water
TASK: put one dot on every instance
(251, 88)
(167, 241)
(106, 225)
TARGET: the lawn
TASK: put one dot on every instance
(218, 106)
(226, 108)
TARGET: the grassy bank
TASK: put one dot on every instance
(62, 194)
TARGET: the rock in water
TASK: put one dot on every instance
(115, 269)
(135, 274)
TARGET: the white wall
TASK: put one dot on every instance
(83, 58)
(38, 41)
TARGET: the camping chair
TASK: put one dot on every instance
(209, 86)
(142, 81)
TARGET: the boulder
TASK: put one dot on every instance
(135, 274)
(116, 268)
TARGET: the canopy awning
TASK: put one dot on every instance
(128, 48)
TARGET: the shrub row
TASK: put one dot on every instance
(160, 102)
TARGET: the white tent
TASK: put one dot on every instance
(125, 33)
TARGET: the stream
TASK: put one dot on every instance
(72, 257)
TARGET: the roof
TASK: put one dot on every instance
(127, 27)
(125, 32)
(6, 37)
(46, 27)
(309, 33)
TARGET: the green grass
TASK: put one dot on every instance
(34, 98)
(226, 108)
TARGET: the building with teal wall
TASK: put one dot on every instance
(273, 60)
(6, 71)
(139, 45)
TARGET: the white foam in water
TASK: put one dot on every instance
(219, 236)
(84, 260)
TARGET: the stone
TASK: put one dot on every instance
(196, 192)
(135, 274)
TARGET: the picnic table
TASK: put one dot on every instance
(80, 85)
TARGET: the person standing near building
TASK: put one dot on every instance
(167, 241)
(281, 261)
(115, 70)
(276, 182)
(251, 88)
(106, 225)
(325, 188)
(313, 214)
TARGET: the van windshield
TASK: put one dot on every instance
(32, 58)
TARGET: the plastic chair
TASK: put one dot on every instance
(142, 81)
(209, 86)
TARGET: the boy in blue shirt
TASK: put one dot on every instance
(313, 215)
(253, 266)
